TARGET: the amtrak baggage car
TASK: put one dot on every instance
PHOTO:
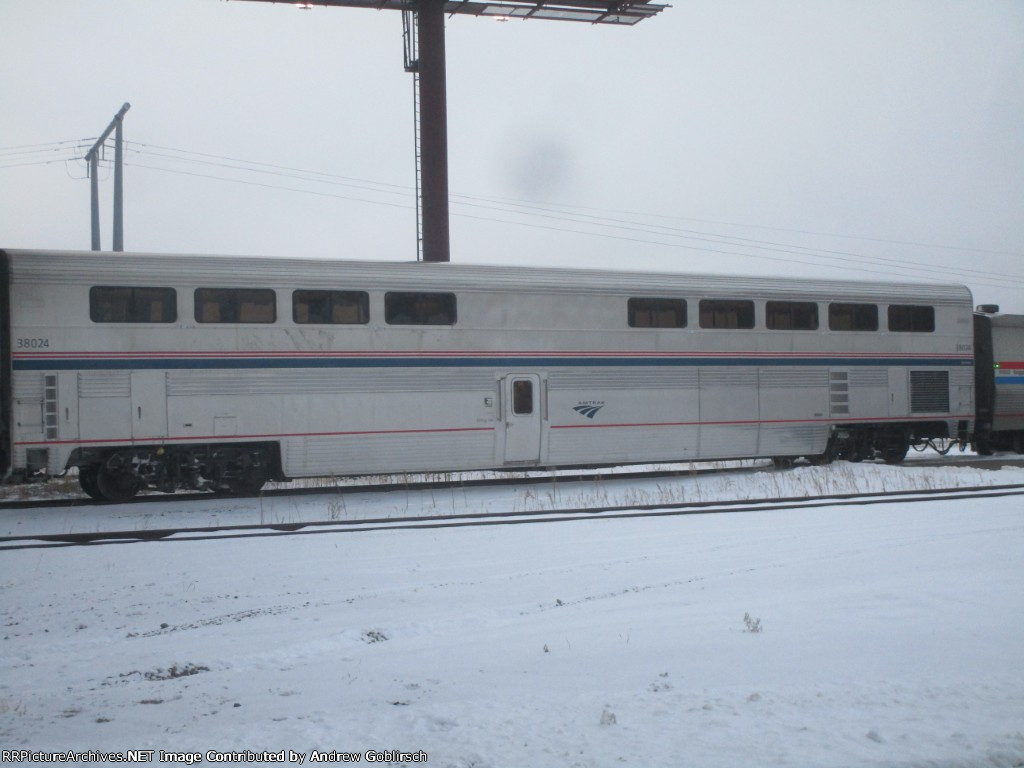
(164, 371)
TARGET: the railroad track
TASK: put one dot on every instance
(207, 533)
(468, 480)
(444, 481)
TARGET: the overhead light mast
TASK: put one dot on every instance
(427, 63)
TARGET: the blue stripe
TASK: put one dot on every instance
(203, 363)
(1009, 379)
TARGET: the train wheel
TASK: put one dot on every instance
(249, 482)
(830, 454)
(88, 477)
(242, 472)
(894, 454)
(117, 484)
(782, 462)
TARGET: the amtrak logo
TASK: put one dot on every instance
(589, 408)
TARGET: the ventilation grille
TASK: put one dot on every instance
(104, 384)
(50, 405)
(929, 391)
(839, 392)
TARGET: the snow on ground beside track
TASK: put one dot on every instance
(889, 635)
(337, 503)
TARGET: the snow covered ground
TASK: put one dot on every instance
(887, 635)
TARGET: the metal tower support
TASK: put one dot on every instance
(433, 130)
(412, 65)
(92, 158)
(119, 185)
(94, 198)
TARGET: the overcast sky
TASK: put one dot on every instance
(854, 138)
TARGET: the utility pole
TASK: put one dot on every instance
(92, 158)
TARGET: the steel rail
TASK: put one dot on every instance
(429, 522)
(418, 485)
(540, 478)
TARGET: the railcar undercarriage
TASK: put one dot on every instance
(888, 443)
(118, 475)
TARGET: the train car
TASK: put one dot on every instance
(999, 345)
(166, 372)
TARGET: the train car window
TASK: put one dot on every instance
(235, 305)
(915, 319)
(417, 308)
(852, 317)
(331, 307)
(726, 313)
(791, 315)
(130, 304)
(522, 397)
(656, 313)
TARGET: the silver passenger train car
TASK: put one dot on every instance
(165, 372)
(999, 357)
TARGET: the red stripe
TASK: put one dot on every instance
(488, 353)
(761, 422)
(227, 438)
(1011, 366)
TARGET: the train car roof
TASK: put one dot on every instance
(102, 267)
(1008, 321)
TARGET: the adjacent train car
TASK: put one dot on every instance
(162, 371)
(999, 344)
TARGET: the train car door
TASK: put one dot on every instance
(67, 404)
(521, 393)
(899, 394)
(149, 405)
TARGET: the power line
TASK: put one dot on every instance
(602, 211)
(548, 206)
(258, 166)
(600, 218)
(42, 147)
(842, 258)
(264, 185)
(629, 226)
(766, 245)
(38, 162)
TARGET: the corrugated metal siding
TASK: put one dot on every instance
(104, 384)
(28, 385)
(961, 377)
(792, 440)
(1008, 321)
(319, 382)
(638, 443)
(740, 376)
(1010, 401)
(584, 379)
(787, 378)
(728, 441)
(869, 377)
(386, 453)
(192, 270)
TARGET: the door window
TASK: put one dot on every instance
(522, 397)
